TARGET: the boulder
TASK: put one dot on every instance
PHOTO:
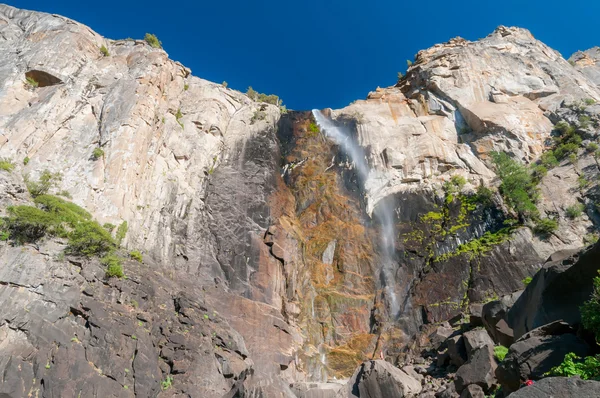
(475, 339)
(380, 379)
(473, 391)
(494, 315)
(316, 390)
(476, 314)
(560, 387)
(537, 352)
(440, 334)
(457, 350)
(556, 292)
(478, 370)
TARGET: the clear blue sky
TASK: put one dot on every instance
(321, 53)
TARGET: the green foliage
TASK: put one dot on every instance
(527, 280)
(484, 195)
(47, 181)
(109, 227)
(26, 160)
(65, 193)
(572, 365)
(500, 352)
(548, 160)
(589, 101)
(538, 171)
(113, 266)
(178, 117)
(480, 246)
(97, 154)
(167, 383)
(590, 239)
(545, 226)
(251, 93)
(400, 76)
(258, 115)
(584, 121)
(28, 224)
(409, 63)
(186, 87)
(4, 236)
(590, 311)
(517, 186)
(455, 184)
(89, 238)
(582, 182)
(259, 97)
(592, 147)
(104, 50)
(313, 129)
(152, 40)
(31, 82)
(136, 255)
(64, 210)
(575, 210)
(224, 84)
(6, 165)
(121, 233)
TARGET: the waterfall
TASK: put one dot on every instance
(383, 212)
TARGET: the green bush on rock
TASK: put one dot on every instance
(517, 186)
(500, 352)
(113, 266)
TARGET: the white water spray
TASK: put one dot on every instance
(382, 211)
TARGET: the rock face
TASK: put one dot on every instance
(537, 352)
(561, 287)
(560, 387)
(494, 319)
(262, 248)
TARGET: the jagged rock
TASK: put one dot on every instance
(478, 370)
(560, 387)
(457, 350)
(475, 339)
(449, 392)
(440, 334)
(537, 352)
(316, 390)
(473, 391)
(494, 318)
(476, 314)
(379, 379)
(556, 292)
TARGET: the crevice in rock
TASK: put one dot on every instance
(43, 79)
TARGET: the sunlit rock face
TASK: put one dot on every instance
(262, 242)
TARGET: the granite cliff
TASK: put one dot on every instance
(262, 260)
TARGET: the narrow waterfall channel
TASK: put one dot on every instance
(383, 212)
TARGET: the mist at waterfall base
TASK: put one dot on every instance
(383, 212)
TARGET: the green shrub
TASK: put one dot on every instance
(484, 195)
(104, 50)
(590, 239)
(136, 255)
(26, 160)
(548, 160)
(500, 352)
(186, 87)
(400, 76)
(545, 226)
(31, 82)
(63, 210)
(224, 84)
(152, 40)
(121, 233)
(97, 154)
(109, 227)
(47, 181)
(113, 266)
(517, 186)
(4, 236)
(258, 115)
(313, 128)
(590, 311)
(538, 172)
(28, 224)
(527, 280)
(6, 165)
(455, 184)
(409, 63)
(592, 147)
(589, 101)
(167, 383)
(575, 210)
(178, 117)
(259, 97)
(582, 182)
(572, 365)
(89, 239)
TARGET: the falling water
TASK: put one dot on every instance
(383, 211)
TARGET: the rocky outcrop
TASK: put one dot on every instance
(537, 352)
(560, 387)
(478, 370)
(494, 319)
(379, 379)
(556, 292)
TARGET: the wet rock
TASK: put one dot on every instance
(537, 352)
(560, 387)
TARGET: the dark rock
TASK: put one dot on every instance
(440, 334)
(475, 339)
(476, 314)
(457, 350)
(537, 352)
(473, 391)
(449, 392)
(556, 292)
(443, 358)
(478, 370)
(380, 379)
(560, 387)
(493, 313)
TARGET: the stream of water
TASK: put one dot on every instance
(383, 212)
